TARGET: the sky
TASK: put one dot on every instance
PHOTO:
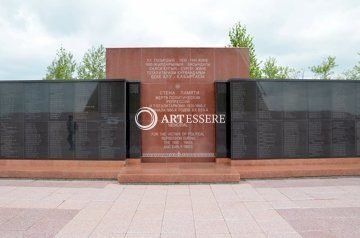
(297, 33)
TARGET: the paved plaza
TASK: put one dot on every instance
(309, 207)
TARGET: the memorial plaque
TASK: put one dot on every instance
(269, 139)
(177, 81)
(243, 100)
(222, 129)
(343, 100)
(61, 144)
(295, 138)
(86, 105)
(270, 102)
(295, 100)
(12, 102)
(36, 102)
(244, 141)
(61, 100)
(357, 101)
(357, 138)
(11, 120)
(133, 133)
(315, 118)
(86, 140)
(319, 138)
(63, 120)
(343, 138)
(36, 139)
(319, 99)
(112, 101)
(12, 139)
(111, 140)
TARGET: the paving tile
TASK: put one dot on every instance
(178, 226)
(48, 203)
(276, 225)
(5, 201)
(178, 190)
(178, 235)
(73, 204)
(284, 235)
(324, 222)
(239, 227)
(236, 214)
(49, 183)
(61, 214)
(294, 194)
(353, 232)
(318, 234)
(6, 189)
(106, 234)
(155, 214)
(46, 228)
(258, 205)
(264, 214)
(178, 215)
(224, 193)
(145, 226)
(88, 183)
(207, 235)
(211, 226)
(24, 219)
(246, 192)
(11, 234)
(142, 235)
(271, 194)
(113, 226)
(326, 207)
(15, 182)
(287, 204)
(159, 206)
(8, 213)
(77, 229)
(301, 182)
(207, 213)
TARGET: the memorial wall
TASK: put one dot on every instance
(294, 119)
(63, 120)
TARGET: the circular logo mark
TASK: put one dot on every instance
(152, 113)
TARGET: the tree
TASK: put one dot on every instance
(240, 38)
(273, 71)
(325, 69)
(353, 73)
(93, 64)
(62, 67)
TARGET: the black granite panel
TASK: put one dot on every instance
(269, 139)
(244, 140)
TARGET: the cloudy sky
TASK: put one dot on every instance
(298, 33)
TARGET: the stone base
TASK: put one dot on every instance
(223, 171)
(60, 169)
(285, 168)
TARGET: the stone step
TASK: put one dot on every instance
(178, 173)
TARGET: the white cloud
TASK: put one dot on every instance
(297, 33)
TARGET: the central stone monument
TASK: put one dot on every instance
(177, 81)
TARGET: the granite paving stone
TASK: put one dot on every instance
(276, 208)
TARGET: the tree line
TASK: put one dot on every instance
(92, 65)
(270, 69)
(65, 67)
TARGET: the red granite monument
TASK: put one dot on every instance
(174, 81)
